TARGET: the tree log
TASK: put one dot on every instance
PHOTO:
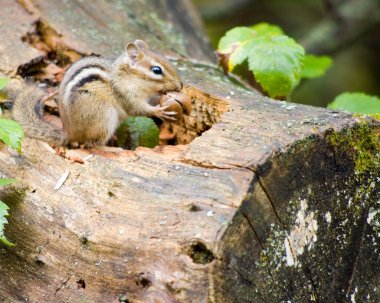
(258, 201)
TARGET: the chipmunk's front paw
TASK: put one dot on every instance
(160, 112)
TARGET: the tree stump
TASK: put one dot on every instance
(256, 201)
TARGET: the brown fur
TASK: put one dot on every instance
(92, 126)
(28, 111)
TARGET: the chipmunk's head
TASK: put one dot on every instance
(146, 70)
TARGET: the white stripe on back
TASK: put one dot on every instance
(83, 74)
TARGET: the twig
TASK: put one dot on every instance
(62, 180)
(329, 36)
(332, 10)
(50, 96)
(88, 157)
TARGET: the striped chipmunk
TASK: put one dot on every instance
(97, 94)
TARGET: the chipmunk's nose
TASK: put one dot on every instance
(174, 86)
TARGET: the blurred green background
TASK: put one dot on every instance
(356, 63)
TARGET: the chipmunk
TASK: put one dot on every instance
(97, 94)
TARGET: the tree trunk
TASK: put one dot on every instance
(258, 201)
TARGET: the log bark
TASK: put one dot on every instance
(258, 201)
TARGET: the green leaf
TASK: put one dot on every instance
(5, 181)
(141, 131)
(315, 66)
(3, 82)
(275, 59)
(267, 29)
(356, 103)
(3, 213)
(232, 43)
(234, 38)
(276, 62)
(11, 133)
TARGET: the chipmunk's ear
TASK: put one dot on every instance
(132, 51)
(141, 44)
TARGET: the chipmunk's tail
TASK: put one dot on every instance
(28, 111)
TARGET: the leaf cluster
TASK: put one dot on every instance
(277, 61)
(3, 213)
(11, 133)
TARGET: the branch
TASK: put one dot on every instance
(354, 21)
(331, 8)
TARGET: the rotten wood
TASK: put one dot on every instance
(258, 201)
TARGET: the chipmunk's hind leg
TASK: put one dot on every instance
(93, 126)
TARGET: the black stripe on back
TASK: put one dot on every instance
(88, 79)
(78, 71)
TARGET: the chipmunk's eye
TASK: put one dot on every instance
(156, 70)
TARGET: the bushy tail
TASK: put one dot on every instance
(28, 111)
